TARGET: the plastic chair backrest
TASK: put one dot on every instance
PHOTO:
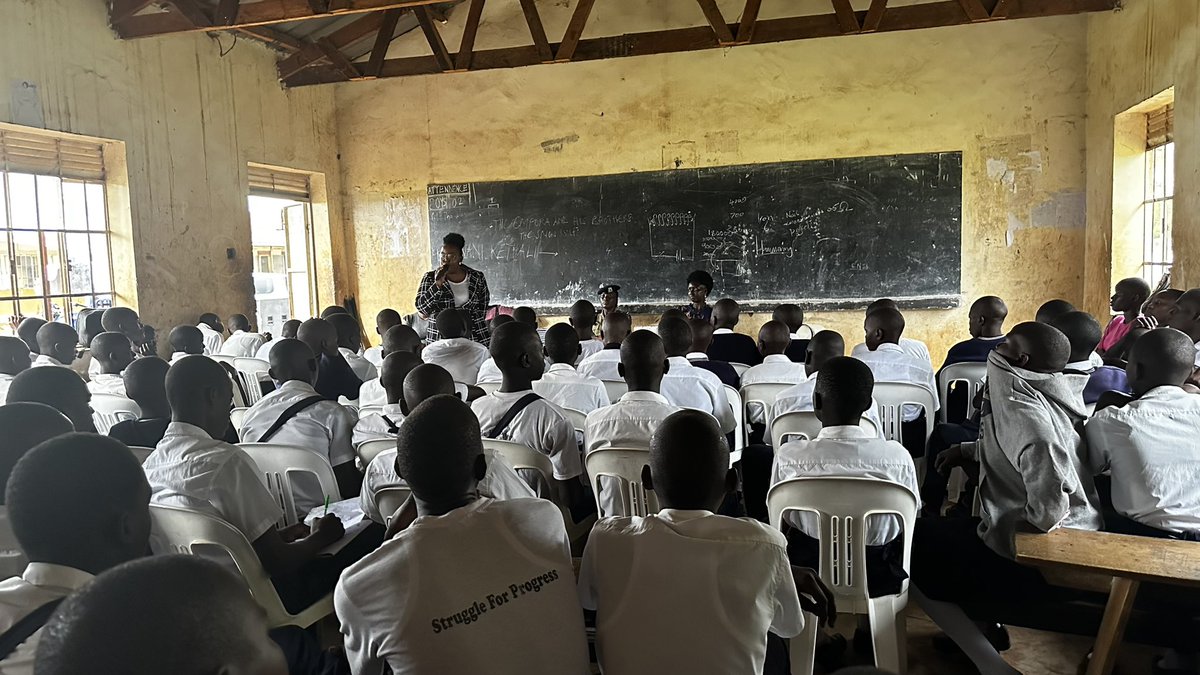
(140, 452)
(577, 418)
(279, 462)
(237, 416)
(367, 451)
(892, 397)
(489, 387)
(740, 368)
(191, 532)
(221, 358)
(624, 467)
(251, 372)
(390, 500)
(806, 425)
(616, 389)
(368, 410)
(519, 457)
(108, 409)
(972, 374)
(763, 394)
(739, 419)
(843, 505)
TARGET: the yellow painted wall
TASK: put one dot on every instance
(190, 119)
(1147, 48)
(1011, 96)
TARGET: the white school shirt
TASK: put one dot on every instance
(19, 596)
(628, 423)
(690, 387)
(5, 383)
(916, 348)
(42, 361)
(176, 356)
(326, 428)
(264, 352)
(372, 393)
(807, 331)
(489, 372)
(775, 368)
(847, 452)
(891, 363)
(212, 339)
(12, 558)
(602, 365)
(589, 347)
(461, 357)
(687, 592)
(243, 345)
(107, 383)
(541, 426)
(374, 355)
(799, 398)
(189, 468)
(500, 482)
(486, 588)
(361, 367)
(1152, 447)
(565, 387)
(372, 426)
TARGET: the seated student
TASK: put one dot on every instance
(773, 340)
(333, 309)
(516, 413)
(25, 425)
(89, 324)
(687, 386)
(1083, 332)
(1052, 309)
(178, 614)
(213, 332)
(792, 315)
(455, 350)
(58, 388)
(14, 360)
(525, 315)
(1186, 318)
(702, 335)
(727, 345)
(94, 518)
(286, 332)
(915, 348)
(114, 353)
(560, 383)
(27, 330)
(56, 345)
(383, 424)
(986, 326)
(488, 372)
(146, 383)
(1127, 299)
(349, 340)
(1028, 454)
(582, 318)
(643, 575)
(335, 377)
(889, 362)
(1157, 312)
(398, 339)
(241, 342)
(124, 320)
(185, 341)
(1151, 445)
(385, 320)
(603, 364)
(422, 383)
(844, 450)
(824, 346)
(492, 591)
(295, 414)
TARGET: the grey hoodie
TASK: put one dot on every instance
(1031, 473)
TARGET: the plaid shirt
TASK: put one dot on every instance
(431, 300)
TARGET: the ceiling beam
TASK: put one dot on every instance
(717, 21)
(192, 13)
(340, 39)
(466, 48)
(275, 38)
(338, 59)
(1001, 9)
(749, 18)
(383, 39)
(434, 38)
(975, 10)
(898, 18)
(845, 16)
(227, 11)
(537, 31)
(874, 16)
(261, 13)
(570, 41)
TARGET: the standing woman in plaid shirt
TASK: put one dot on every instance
(454, 285)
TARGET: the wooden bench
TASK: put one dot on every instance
(1126, 560)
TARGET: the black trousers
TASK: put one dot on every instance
(952, 564)
(302, 650)
(933, 485)
(315, 579)
(885, 564)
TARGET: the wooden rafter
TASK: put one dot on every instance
(570, 41)
(192, 13)
(874, 16)
(749, 19)
(434, 38)
(1001, 9)
(261, 13)
(339, 39)
(717, 21)
(275, 38)
(227, 11)
(466, 48)
(537, 31)
(975, 10)
(845, 16)
(338, 59)
(383, 39)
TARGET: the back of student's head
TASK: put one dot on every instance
(583, 315)
(525, 315)
(676, 335)
(349, 334)
(884, 325)
(825, 345)
(643, 361)
(424, 382)
(843, 390)
(726, 312)
(122, 320)
(91, 324)
(14, 355)
(59, 388)
(673, 313)
(617, 327)
(790, 314)
(1052, 309)
(200, 393)
(177, 614)
(58, 340)
(146, 383)
(438, 447)
(385, 319)
(293, 360)
(238, 322)
(80, 500)
(987, 316)
(1161, 357)
(1036, 346)
(452, 323)
(499, 320)
(401, 338)
(186, 339)
(318, 334)
(881, 304)
(1082, 331)
(774, 338)
(562, 343)
(113, 351)
(290, 328)
(333, 309)
(392, 372)
(26, 425)
(516, 347)
(28, 329)
(702, 334)
(211, 320)
(689, 461)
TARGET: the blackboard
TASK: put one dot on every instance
(826, 233)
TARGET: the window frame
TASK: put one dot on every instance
(1158, 259)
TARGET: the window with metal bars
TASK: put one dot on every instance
(1158, 254)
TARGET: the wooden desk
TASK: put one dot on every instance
(1128, 560)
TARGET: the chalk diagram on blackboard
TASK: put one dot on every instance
(673, 235)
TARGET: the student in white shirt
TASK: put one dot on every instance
(1151, 444)
(844, 450)
(889, 362)
(560, 383)
(56, 345)
(385, 320)
(824, 346)
(914, 348)
(774, 338)
(213, 331)
(667, 587)
(14, 360)
(59, 388)
(686, 385)
(538, 423)
(488, 372)
(1187, 319)
(583, 318)
(455, 350)
(96, 517)
(702, 336)
(241, 342)
(383, 424)
(114, 353)
(145, 383)
(316, 424)
(398, 339)
(185, 341)
(26, 426)
(335, 377)
(793, 315)
(349, 342)
(473, 584)
(165, 614)
(603, 364)
(286, 332)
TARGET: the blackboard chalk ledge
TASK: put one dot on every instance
(808, 304)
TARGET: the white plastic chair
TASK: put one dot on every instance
(518, 457)
(739, 367)
(367, 451)
(140, 452)
(237, 416)
(763, 395)
(624, 467)
(843, 506)
(806, 425)
(278, 462)
(108, 409)
(251, 373)
(616, 389)
(196, 533)
(739, 418)
(892, 397)
(390, 500)
(577, 418)
(489, 387)
(221, 358)
(972, 374)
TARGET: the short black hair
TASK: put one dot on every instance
(882, 303)
(511, 341)
(50, 386)
(845, 385)
(452, 323)
(1052, 309)
(387, 317)
(701, 278)
(348, 330)
(676, 335)
(401, 338)
(1082, 331)
(454, 240)
(562, 343)
(114, 318)
(184, 337)
(27, 425)
(500, 320)
(239, 322)
(437, 446)
(425, 381)
(333, 309)
(789, 313)
(146, 380)
(525, 315)
(689, 459)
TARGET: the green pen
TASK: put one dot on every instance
(326, 504)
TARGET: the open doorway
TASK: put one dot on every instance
(281, 236)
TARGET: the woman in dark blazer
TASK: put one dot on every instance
(454, 285)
